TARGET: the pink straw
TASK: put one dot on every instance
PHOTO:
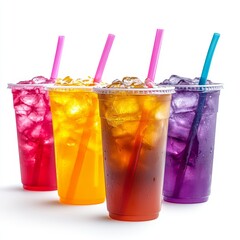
(104, 57)
(155, 55)
(57, 58)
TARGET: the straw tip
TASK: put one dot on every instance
(110, 35)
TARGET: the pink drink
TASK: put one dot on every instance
(35, 134)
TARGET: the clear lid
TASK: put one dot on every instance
(21, 86)
(163, 89)
(199, 88)
(69, 88)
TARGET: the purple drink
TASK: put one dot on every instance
(191, 136)
(35, 134)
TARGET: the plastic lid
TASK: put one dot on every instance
(199, 88)
(136, 91)
(20, 86)
(69, 88)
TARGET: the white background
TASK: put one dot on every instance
(28, 35)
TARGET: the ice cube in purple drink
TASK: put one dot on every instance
(175, 80)
(178, 127)
(184, 102)
(175, 146)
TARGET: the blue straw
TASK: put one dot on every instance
(196, 121)
(208, 60)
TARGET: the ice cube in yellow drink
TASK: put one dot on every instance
(78, 145)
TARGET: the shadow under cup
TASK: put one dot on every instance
(190, 146)
(134, 133)
(35, 136)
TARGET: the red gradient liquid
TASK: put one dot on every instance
(35, 138)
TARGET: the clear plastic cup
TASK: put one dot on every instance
(134, 132)
(190, 147)
(78, 144)
(35, 136)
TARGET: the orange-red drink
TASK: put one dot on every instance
(134, 132)
(78, 145)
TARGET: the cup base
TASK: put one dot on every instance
(82, 201)
(185, 200)
(39, 188)
(132, 218)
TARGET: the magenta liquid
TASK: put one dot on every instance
(35, 137)
(190, 144)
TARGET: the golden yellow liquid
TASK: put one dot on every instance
(78, 146)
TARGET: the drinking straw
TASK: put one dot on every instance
(197, 118)
(208, 60)
(57, 58)
(54, 74)
(90, 121)
(82, 149)
(133, 161)
(155, 55)
(103, 59)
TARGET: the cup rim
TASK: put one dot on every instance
(68, 88)
(160, 90)
(199, 88)
(25, 85)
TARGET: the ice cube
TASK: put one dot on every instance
(77, 108)
(211, 105)
(41, 80)
(175, 146)
(48, 116)
(197, 79)
(23, 123)
(124, 106)
(184, 102)
(122, 110)
(35, 116)
(114, 122)
(28, 150)
(126, 128)
(178, 80)
(162, 111)
(47, 130)
(37, 80)
(153, 132)
(175, 80)
(29, 99)
(180, 124)
(36, 131)
(132, 82)
(118, 132)
(41, 104)
(127, 82)
(22, 109)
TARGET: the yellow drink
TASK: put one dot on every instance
(78, 144)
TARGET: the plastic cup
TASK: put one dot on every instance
(189, 159)
(78, 144)
(35, 136)
(134, 132)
